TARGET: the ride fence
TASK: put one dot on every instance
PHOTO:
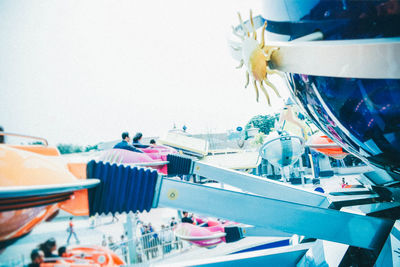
(150, 247)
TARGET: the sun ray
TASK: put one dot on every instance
(252, 25)
(241, 64)
(243, 27)
(256, 88)
(237, 34)
(255, 56)
(268, 51)
(269, 71)
(265, 93)
(247, 79)
(272, 86)
(262, 35)
(236, 48)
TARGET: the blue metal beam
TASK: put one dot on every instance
(261, 186)
(352, 229)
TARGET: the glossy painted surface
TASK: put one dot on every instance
(349, 19)
(27, 180)
(334, 152)
(201, 236)
(16, 223)
(42, 150)
(88, 256)
(150, 155)
(21, 168)
(362, 115)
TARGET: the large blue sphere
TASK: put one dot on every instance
(362, 115)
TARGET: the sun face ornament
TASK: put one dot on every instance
(255, 57)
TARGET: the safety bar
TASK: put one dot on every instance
(146, 164)
(323, 146)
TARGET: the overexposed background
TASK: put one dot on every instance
(84, 71)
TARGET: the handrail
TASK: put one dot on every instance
(146, 164)
(26, 136)
(323, 145)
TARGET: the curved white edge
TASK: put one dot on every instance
(200, 238)
(323, 146)
(39, 190)
(138, 164)
(361, 58)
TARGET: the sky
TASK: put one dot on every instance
(82, 72)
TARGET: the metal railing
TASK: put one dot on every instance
(150, 246)
(43, 140)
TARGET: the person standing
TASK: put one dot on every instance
(123, 246)
(172, 223)
(71, 231)
(111, 244)
(166, 238)
(104, 241)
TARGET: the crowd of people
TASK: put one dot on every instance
(136, 145)
(46, 250)
(115, 245)
(150, 242)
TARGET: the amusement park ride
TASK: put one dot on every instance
(340, 61)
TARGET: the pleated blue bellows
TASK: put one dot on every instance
(121, 189)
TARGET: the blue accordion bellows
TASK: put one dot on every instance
(121, 189)
(179, 164)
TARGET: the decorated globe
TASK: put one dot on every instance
(361, 113)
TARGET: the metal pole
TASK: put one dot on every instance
(130, 229)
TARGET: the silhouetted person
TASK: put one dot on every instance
(37, 257)
(48, 247)
(124, 144)
(104, 241)
(111, 243)
(2, 138)
(62, 251)
(136, 141)
(185, 218)
(114, 218)
(153, 142)
(172, 223)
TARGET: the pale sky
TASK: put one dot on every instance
(84, 71)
